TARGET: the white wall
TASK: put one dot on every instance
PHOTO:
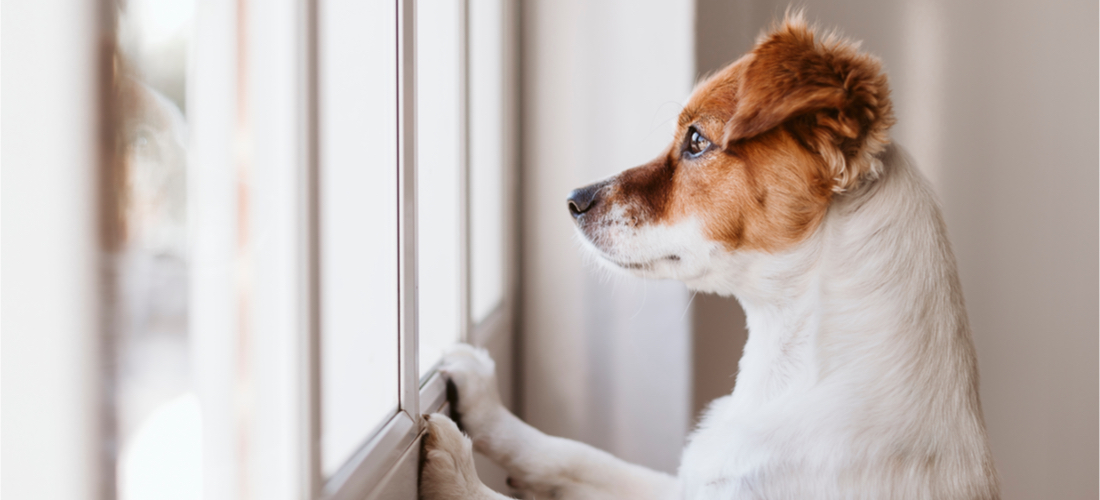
(997, 101)
(604, 359)
(52, 405)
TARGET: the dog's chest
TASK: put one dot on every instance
(720, 459)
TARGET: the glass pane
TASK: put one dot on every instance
(159, 423)
(486, 158)
(358, 148)
(438, 162)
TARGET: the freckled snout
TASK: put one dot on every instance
(584, 199)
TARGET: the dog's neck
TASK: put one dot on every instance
(865, 299)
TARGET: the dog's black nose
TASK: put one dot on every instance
(583, 199)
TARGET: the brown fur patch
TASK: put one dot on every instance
(648, 187)
(767, 196)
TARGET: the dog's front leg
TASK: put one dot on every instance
(538, 465)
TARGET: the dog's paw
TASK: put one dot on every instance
(447, 462)
(473, 374)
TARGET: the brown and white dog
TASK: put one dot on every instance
(858, 380)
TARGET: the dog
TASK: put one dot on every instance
(859, 378)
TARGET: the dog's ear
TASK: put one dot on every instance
(832, 97)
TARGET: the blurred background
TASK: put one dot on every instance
(156, 204)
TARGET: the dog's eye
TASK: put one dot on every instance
(697, 144)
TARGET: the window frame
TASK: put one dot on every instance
(358, 476)
(369, 472)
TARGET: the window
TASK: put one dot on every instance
(440, 182)
(157, 417)
(488, 104)
(445, 151)
(357, 43)
(312, 206)
(243, 233)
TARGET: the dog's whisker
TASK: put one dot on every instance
(688, 306)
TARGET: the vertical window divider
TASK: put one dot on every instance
(310, 227)
(464, 252)
(409, 377)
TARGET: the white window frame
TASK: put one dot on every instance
(375, 470)
(367, 466)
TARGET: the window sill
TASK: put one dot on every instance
(368, 468)
(371, 467)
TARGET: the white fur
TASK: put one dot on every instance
(448, 464)
(858, 380)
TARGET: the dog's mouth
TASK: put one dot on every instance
(615, 233)
(645, 265)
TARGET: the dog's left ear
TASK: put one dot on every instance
(832, 97)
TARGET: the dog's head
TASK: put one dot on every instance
(759, 152)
